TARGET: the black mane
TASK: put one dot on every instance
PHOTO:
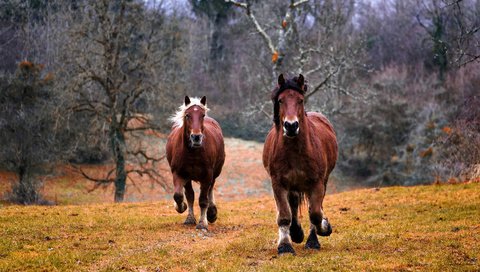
(289, 84)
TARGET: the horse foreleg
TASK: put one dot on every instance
(190, 195)
(296, 231)
(178, 183)
(203, 202)
(284, 219)
(212, 207)
(318, 222)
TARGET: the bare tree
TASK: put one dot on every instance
(467, 37)
(115, 55)
(291, 46)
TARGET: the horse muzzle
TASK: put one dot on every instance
(196, 140)
(291, 129)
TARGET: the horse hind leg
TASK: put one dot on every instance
(190, 195)
(296, 231)
(212, 207)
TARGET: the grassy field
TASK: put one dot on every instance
(433, 227)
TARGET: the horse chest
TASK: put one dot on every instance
(295, 176)
(195, 168)
(297, 172)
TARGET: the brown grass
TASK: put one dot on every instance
(431, 228)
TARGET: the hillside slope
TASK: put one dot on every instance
(401, 228)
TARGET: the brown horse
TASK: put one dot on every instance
(195, 151)
(300, 152)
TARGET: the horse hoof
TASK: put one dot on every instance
(296, 233)
(212, 214)
(312, 241)
(325, 228)
(201, 226)
(181, 208)
(285, 248)
(190, 221)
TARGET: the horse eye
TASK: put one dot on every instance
(300, 101)
(203, 115)
(187, 116)
(280, 101)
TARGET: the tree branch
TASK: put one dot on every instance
(259, 28)
(296, 4)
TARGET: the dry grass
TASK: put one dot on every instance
(401, 228)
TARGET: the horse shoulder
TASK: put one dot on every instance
(213, 129)
(268, 148)
(173, 147)
(214, 132)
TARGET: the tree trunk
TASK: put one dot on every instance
(25, 191)
(118, 146)
(440, 48)
(217, 44)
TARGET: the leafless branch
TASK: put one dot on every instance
(296, 4)
(253, 19)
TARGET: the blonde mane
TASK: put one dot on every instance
(177, 118)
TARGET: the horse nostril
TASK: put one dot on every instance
(291, 126)
(295, 125)
(195, 137)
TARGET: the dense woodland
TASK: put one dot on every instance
(81, 81)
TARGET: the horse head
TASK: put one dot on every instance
(193, 120)
(288, 101)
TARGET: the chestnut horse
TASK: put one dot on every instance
(195, 151)
(300, 152)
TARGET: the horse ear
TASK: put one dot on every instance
(187, 100)
(203, 100)
(281, 80)
(300, 80)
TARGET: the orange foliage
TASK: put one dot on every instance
(284, 24)
(453, 181)
(426, 153)
(275, 57)
(447, 130)
(25, 64)
(48, 77)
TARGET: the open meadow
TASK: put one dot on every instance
(435, 227)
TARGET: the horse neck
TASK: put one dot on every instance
(184, 137)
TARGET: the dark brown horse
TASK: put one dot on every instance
(195, 151)
(300, 152)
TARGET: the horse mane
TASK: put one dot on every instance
(177, 118)
(290, 84)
